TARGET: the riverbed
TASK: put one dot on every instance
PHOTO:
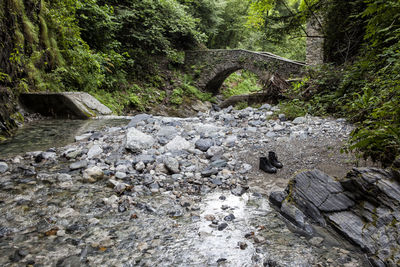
(89, 196)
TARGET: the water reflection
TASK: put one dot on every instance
(44, 134)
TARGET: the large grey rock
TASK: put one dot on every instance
(293, 214)
(321, 191)
(168, 132)
(136, 141)
(204, 144)
(277, 197)
(266, 107)
(3, 167)
(178, 143)
(172, 164)
(78, 165)
(374, 184)
(362, 207)
(138, 118)
(299, 120)
(353, 227)
(201, 106)
(214, 151)
(94, 152)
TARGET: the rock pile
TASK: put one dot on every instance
(140, 194)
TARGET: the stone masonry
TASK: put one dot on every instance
(211, 67)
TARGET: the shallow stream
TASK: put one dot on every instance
(50, 221)
(49, 133)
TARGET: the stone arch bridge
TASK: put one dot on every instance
(210, 68)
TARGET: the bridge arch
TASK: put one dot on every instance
(210, 68)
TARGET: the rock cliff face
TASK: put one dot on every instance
(19, 38)
(7, 109)
(363, 207)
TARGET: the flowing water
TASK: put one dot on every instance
(44, 134)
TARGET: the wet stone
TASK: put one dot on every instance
(162, 214)
(242, 245)
(140, 166)
(216, 181)
(93, 173)
(229, 218)
(78, 165)
(94, 151)
(222, 226)
(3, 167)
(238, 191)
(176, 213)
(220, 163)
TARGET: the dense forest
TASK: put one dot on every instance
(128, 52)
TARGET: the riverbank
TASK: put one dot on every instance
(170, 191)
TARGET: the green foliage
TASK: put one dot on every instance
(4, 77)
(240, 83)
(186, 89)
(366, 91)
(177, 97)
(231, 29)
(207, 13)
(98, 26)
(294, 108)
(241, 105)
(155, 27)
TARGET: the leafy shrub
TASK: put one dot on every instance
(241, 105)
(240, 83)
(294, 108)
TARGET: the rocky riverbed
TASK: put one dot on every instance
(164, 191)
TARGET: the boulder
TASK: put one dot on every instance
(94, 152)
(178, 143)
(3, 167)
(299, 120)
(93, 173)
(78, 165)
(201, 106)
(204, 144)
(138, 118)
(136, 141)
(172, 165)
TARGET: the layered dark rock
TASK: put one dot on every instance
(363, 207)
